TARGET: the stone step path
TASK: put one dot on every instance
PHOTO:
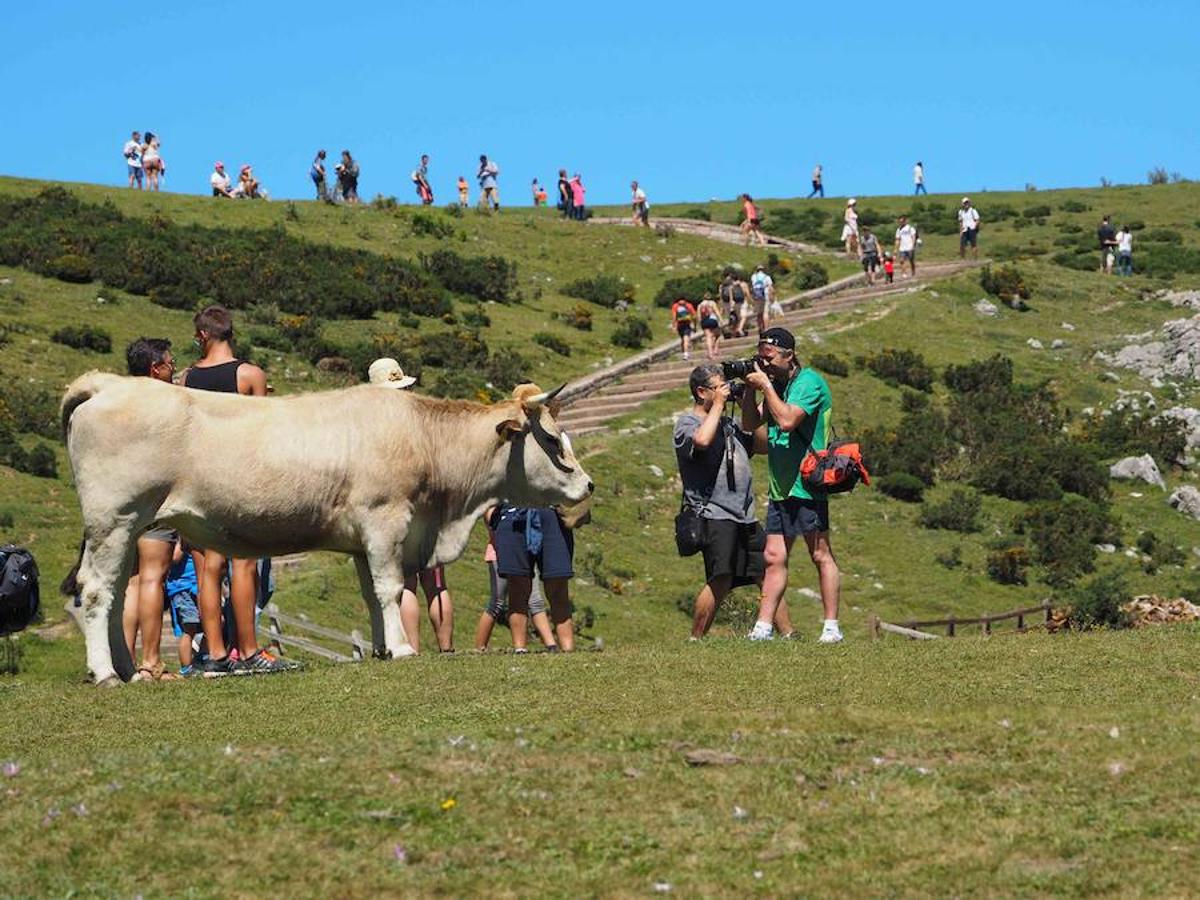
(593, 402)
(716, 231)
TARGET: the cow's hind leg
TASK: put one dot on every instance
(103, 571)
(382, 582)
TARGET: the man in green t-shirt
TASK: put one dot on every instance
(792, 419)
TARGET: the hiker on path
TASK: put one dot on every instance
(489, 191)
(420, 179)
(152, 162)
(868, 253)
(710, 323)
(464, 192)
(348, 171)
(751, 222)
(968, 229)
(919, 179)
(762, 289)
(133, 159)
(539, 194)
(906, 247)
(1108, 245)
(565, 197)
(578, 204)
(640, 206)
(317, 174)
(850, 227)
(793, 419)
(1125, 251)
(713, 455)
(818, 186)
(683, 322)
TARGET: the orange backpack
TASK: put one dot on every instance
(837, 468)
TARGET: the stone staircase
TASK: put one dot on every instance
(592, 402)
(716, 231)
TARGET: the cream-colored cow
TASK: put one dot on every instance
(395, 479)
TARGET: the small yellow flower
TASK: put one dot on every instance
(448, 804)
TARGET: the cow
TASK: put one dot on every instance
(392, 478)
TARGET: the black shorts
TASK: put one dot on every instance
(733, 549)
(684, 329)
(970, 236)
(513, 559)
(794, 517)
(870, 262)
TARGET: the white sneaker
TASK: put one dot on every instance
(830, 634)
(756, 636)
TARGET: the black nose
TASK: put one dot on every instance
(591, 487)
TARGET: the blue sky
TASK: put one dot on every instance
(696, 100)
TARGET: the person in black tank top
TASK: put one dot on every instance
(219, 370)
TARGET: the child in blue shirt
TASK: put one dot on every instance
(182, 589)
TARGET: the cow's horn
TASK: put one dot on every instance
(544, 397)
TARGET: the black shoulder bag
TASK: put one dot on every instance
(690, 531)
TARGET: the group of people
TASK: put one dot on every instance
(143, 161)
(728, 313)
(862, 243)
(1115, 247)
(818, 180)
(786, 412)
(245, 188)
(345, 183)
(214, 601)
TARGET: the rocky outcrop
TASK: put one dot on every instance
(1138, 468)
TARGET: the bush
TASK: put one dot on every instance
(424, 223)
(1160, 552)
(633, 333)
(604, 290)
(1036, 212)
(460, 349)
(915, 447)
(980, 376)
(1001, 212)
(1157, 175)
(552, 342)
(690, 287)
(42, 462)
(829, 364)
(6, 519)
(958, 512)
(810, 274)
(27, 408)
(385, 203)
(84, 337)
(1165, 260)
(481, 277)
(1006, 281)
(1126, 433)
(1163, 236)
(1074, 206)
(1097, 603)
(697, 212)
(807, 224)
(578, 316)
(505, 370)
(1008, 564)
(476, 317)
(1064, 533)
(902, 486)
(951, 560)
(897, 367)
(71, 267)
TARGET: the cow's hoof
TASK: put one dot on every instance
(381, 653)
(111, 681)
(403, 651)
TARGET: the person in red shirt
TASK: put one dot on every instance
(751, 222)
(683, 323)
(889, 267)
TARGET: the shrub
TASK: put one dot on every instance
(578, 316)
(1163, 236)
(1160, 552)
(6, 519)
(958, 512)
(1157, 175)
(1006, 281)
(979, 376)
(552, 342)
(829, 364)
(1008, 564)
(897, 367)
(633, 333)
(697, 212)
(71, 267)
(603, 290)
(1165, 260)
(1036, 212)
(810, 274)
(476, 317)
(690, 287)
(952, 559)
(385, 203)
(807, 224)
(27, 408)
(453, 210)
(424, 223)
(1063, 534)
(42, 462)
(460, 349)
(1074, 206)
(174, 296)
(902, 486)
(1097, 603)
(915, 447)
(1002, 211)
(84, 337)
(1126, 433)
(481, 277)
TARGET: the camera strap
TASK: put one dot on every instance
(730, 437)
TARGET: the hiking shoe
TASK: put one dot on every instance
(216, 668)
(263, 663)
(830, 634)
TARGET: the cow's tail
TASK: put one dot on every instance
(70, 584)
(80, 391)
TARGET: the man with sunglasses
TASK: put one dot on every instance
(793, 419)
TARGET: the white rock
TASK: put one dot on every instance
(1132, 554)
(1138, 468)
(658, 473)
(1186, 499)
(1057, 344)
(1034, 344)
(986, 308)
(1067, 326)
(1106, 548)
(809, 593)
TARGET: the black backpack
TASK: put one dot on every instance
(20, 601)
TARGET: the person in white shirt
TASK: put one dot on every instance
(133, 159)
(220, 181)
(762, 290)
(641, 208)
(968, 229)
(906, 246)
(1124, 251)
(850, 228)
(818, 185)
(919, 179)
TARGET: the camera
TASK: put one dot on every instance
(739, 368)
(737, 390)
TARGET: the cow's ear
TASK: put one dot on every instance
(509, 429)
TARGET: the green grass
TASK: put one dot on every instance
(591, 794)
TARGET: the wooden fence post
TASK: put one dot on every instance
(356, 644)
(950, 627)
(276, 627)
(873, 626)
(987, 625)
(1047, 607)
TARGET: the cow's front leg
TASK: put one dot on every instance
(382, 581)
(103, 571)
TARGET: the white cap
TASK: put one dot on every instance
(386, 372)
(966, 199)
(851, 202)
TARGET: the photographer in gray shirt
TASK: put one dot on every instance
(714, 465)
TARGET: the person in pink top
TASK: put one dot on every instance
(577, 192)
(497, 607)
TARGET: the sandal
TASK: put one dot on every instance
(144, 673)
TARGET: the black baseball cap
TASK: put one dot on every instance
(778, 337)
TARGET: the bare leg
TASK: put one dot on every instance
(129, 615)
(707, 602)
(519, 589)
(243, 590)
(209, 601)
(441, 606)
(827, 570)
(558, 595)
(776, 577)
(483, 631)
(541, 624)
(154, 559)
(783, 618)
(410, 612)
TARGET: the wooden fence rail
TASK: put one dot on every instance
(913, 628)
(302, 635)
